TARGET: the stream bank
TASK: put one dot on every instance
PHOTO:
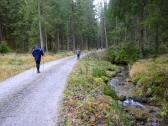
(144, 113)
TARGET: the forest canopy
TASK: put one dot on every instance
(61, 24)
(69, 24)
(143, 23)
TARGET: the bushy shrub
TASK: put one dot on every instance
(4, 48)
(163, 48)
(149, 52)
(111, 54)
(132, 52)
(127, 53)
(122, 56)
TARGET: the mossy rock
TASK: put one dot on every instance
(105, 79)
(110, 73)
(122, 98)
(138, 114)
(99, 80)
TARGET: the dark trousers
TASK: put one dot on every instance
(38, 66)
(78, 56)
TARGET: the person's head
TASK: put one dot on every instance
(38, 45)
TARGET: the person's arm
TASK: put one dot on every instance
(33, 53)
(42, 52)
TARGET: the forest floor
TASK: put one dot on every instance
(103, 94)
(31, 99)
(12, 64)
(88, 100)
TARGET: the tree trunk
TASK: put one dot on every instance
(156, 40)
(1, 33)
(82, 42)
(87, 46)
(46, 41)
(67, 36)
(105, 34)
(58, 42)
(102, 34)
(73, 42)
(40, 26)
(116, 27)
(105, 28)
(142, 27)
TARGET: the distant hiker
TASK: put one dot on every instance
(37, 53)
(78, 52)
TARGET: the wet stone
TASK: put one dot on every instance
(152, 110)
(114, 82)
(140, 108)
(128, 80)
(122, 98)
(153, 122)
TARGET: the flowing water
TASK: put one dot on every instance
(144, 114)
(130, 102)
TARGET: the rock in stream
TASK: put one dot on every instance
(144, 114)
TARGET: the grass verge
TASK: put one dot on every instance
(85, 102)
(151, 78)
(12, 64)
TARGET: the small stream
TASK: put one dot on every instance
(144, 114)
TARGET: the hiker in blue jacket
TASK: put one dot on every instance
(78, 53)
(37, 53)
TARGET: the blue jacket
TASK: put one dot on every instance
(37, 53)
(78, 52)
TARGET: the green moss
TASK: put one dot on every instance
(143, 79)
(98, 80)
(110, 73)
(105, 79)
(97, 72)
(108, 90)
(164, 112)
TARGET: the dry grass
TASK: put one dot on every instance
(12, 64)
(151, 77)
(139, 67)
(150, 69)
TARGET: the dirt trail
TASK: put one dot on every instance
(31, 99)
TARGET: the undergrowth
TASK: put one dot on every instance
(151, 78)
(87, 99)
(124, 54)
(4, 48)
